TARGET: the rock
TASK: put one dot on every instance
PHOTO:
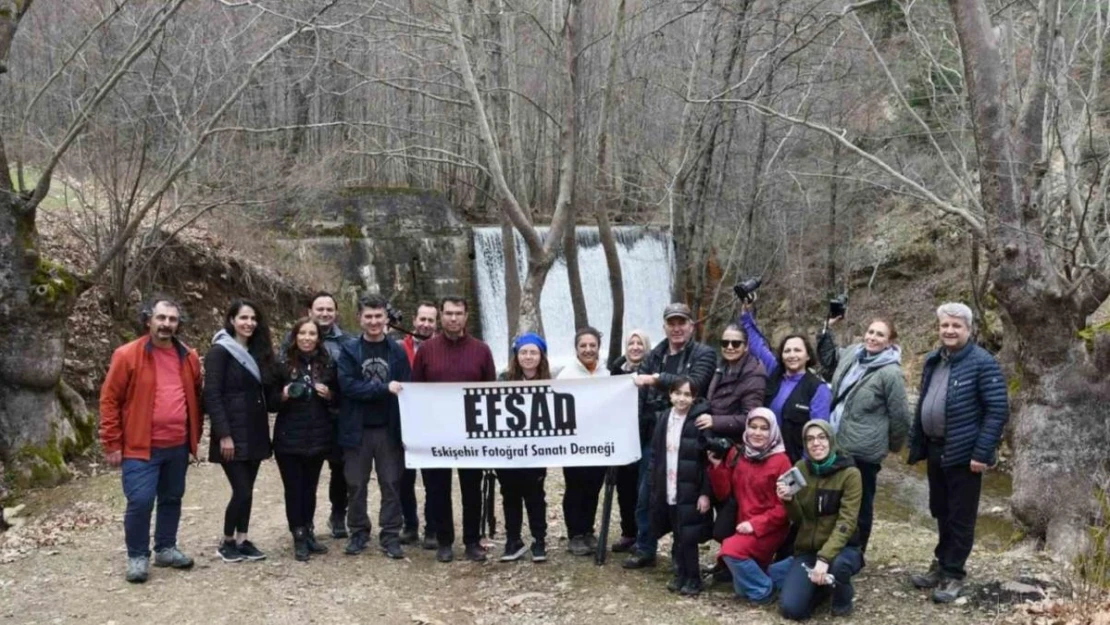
(516, 600)
(609, 609)
(961, 601)
(11, 513)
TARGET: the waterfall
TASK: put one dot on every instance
(645, 264)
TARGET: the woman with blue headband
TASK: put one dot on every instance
(524, 488)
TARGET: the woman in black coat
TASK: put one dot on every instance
(680, 504)
(305, 389)
(236, 372)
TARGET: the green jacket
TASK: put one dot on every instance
(827, 509)
(876, 417)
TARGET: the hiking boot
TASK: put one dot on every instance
(929, 579)
(444, 553)
(675, 584)
(173, 558)
(138, 569)
(577, 546)
(392, 549)
(229, 552)
(475, 553)
(591, 541)
(410, 536)
(842, 596)
(691, 588)
(639, 560)
(301, 552)
(625, 545)
(357, 543)
(948, 590)
(430, 542)
(250, 552)
(314, 546)
(514, 549)
(539, 551)
(337, 525)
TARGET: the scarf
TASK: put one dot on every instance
(238, 352)
(862, 364)
(774, 442)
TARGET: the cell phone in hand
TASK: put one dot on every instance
(793, 480)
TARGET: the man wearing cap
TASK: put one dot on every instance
(678, 355)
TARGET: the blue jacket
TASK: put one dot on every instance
(976, 408)
(368, 403)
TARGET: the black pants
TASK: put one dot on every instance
(869, 471)
(439, 514)
(408, 501)
(627, 491)
(583, 488)
(240, 475)
(300, 475)
(954, 503)
(522, 489)
(684, 552)
(337, 487)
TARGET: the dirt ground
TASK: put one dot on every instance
(64, 563)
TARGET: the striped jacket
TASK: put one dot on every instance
(976, 408)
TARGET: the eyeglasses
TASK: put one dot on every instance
(726, 344)
(817, 437)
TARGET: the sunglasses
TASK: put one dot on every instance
(726, 343)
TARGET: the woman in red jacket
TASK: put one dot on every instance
(750, 474)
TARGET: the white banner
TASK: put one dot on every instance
(513, 425)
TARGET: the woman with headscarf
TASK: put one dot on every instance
(826, 510)
(749, 474)
(636, 346)
(870, 414)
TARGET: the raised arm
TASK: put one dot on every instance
(757, 344)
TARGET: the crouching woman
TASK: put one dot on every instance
(749, 474)
(826, 551)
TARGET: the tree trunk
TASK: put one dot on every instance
(512, 277)
(834, 186)
(574, 274)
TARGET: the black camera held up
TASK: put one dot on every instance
(299, 390)
(719, 446)
(395, 316)
(838, 306)
(745, 289)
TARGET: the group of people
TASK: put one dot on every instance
(718, 435)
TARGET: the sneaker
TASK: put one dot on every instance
(357, 543)
(948, 591)
(475, 553)
(444, 553)
(675, 584)
(430, 542)
(624, 545)
(337, 524)
(410, 536)
(250, 552)
(514, 549)
(639, 560)
(591, 541)
(929, 579)
(229, 552)
(539, 551)
(173, 558)
(691, 588)
(577, 546)
(392, 549)
(138, 569)
(765, 601)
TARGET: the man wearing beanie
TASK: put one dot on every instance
(961, 412)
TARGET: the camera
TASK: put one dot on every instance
(717, 445)
(838, 306)
(395, 316)
(745, 289)
(299, 390)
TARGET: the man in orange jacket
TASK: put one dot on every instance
(150, 422)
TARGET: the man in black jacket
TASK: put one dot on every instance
(679, 355)
(371, 370)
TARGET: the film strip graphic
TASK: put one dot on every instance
(524, 432)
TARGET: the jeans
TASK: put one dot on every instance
(954, 503)
(646, 543)
(749, 581)
(869, 471)
(522, 489)
(300, 475)
(161, 478)
(800, 596)
(379, 450)
(241, 475)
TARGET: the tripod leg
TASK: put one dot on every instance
(606, 513)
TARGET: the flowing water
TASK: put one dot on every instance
(645, 256)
